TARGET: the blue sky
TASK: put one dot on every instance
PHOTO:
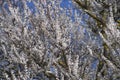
(66, 4)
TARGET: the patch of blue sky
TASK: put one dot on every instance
(52, 69)
(67, 4)
(0, 9)
(94, 64)
(31, 7)
(6, 8)
(84, 18)
(20, 5)
(29, 25)
(85, 32)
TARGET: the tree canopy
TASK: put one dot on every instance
(42, 40)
